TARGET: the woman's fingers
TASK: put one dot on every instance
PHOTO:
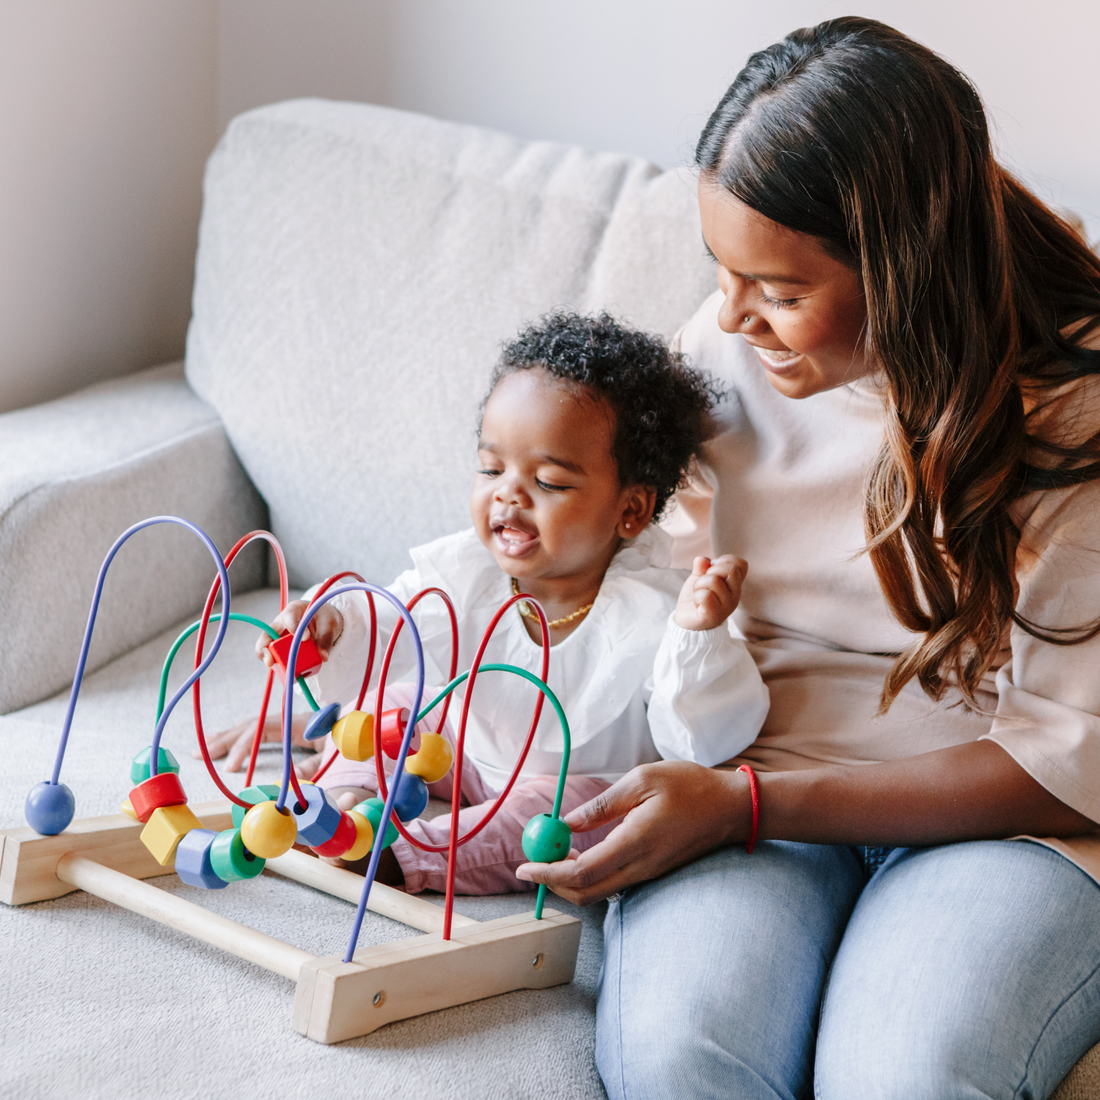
(672, 812)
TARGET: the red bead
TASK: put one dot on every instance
(345, 836)
(162, 789)
(393, 730)
(309, 657)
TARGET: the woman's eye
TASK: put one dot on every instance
(779, 303)
(550, 488)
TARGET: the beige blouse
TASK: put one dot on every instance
(782, 486)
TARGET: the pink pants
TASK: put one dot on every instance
(487, 863)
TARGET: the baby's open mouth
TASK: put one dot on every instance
(513, 540)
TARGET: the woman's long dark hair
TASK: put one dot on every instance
(979, 299)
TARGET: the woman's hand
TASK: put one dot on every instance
(325, 629)
(236, 742)
(672, 812)
(712, 592)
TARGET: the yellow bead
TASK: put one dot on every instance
(127, 808)
(266, 832)
(167, 826)
(433, 760)
(364, 838)
(353, 735)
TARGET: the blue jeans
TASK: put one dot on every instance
(967, 970)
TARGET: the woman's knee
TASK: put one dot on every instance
(712, 976)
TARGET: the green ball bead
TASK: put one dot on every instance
(265, 792)
(139, 768)
(230, 859)
(372, 811)
(546, 839)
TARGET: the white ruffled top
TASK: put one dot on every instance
(706, 701)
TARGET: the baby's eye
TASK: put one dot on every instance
(550, 488)
(489, 472)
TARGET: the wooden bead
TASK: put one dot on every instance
(546, 839)
(49, 808)
(411, 797)
(162, 789)
(268, 832)
(393, 723)
(372, 809)
(231, 860)
(345, 836)
(318, 818)
(167, 826)
(127, 808)
(309, 657)
(193, 860)
(364, 837)
(262, 792)
(433, 759)
(139, 766)
(322, 721)
(353, 735)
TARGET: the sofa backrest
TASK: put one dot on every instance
(358, 270)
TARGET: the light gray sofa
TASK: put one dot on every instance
(357, 270)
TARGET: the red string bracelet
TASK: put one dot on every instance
(754, 790)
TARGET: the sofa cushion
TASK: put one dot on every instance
(358, 269)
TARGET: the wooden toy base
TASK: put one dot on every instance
(334, 1000)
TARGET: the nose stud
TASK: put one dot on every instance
(746, 319)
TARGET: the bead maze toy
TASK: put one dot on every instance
(215, 844)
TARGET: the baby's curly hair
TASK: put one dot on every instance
(662, 407)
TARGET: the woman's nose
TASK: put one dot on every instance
(733, 315)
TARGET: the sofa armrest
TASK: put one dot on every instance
(74, 474)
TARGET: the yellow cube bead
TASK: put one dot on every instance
(364, 838)
(353, 735)
(433, 759)
(167, 826)
(267, 832)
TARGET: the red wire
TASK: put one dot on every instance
(204, 623)
(259, 728)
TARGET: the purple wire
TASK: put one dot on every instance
(410, 726)
(79, 677)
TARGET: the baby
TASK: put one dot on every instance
(587, 430)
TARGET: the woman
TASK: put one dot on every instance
(909, 466)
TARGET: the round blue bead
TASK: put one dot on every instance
(322, 722)
(49, 808)
(411, 797)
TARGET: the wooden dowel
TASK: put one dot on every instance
(139, 897)
(406, 908)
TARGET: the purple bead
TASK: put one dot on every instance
(49, 808)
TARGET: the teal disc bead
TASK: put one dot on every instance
(264, 792)
(372, 811)
(139, 768)
(231, 860)
(546, 839)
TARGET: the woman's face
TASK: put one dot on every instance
(801, 309)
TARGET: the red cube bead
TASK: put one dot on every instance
(392, 725)
(309, 657)
(162, 789)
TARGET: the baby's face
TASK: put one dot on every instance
(547, 500)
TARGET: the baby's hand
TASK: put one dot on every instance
(325, 628)
(236, 742)
(711, 594)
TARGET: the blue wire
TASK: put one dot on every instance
(406, 741)
(79, 677)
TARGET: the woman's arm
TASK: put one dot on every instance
(674, 812)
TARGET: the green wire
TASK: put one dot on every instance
(233, 615)
(544, 688)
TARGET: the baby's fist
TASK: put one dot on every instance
(712, 592)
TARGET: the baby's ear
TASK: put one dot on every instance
(638, 504)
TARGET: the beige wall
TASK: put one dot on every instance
(107, 112)
(108, 109)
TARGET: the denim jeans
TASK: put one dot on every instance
(967, 970)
